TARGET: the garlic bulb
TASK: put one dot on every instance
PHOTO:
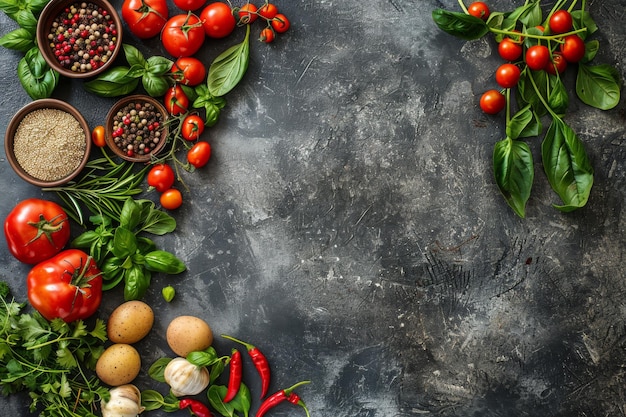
(185, 378)
(125, 401)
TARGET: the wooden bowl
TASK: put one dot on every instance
(51, 12)
(42, 136)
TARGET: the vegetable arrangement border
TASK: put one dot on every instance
(538, 50)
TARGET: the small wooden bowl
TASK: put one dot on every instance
(14, 124)
(163, 126)
(50, 12)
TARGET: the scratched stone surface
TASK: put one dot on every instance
(349, 225)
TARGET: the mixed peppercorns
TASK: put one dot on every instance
(137, 128)
(83, 37)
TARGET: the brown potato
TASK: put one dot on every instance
(119, 364)
(130, 322)
(188, 334)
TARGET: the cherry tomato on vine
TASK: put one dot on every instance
(537, 57)
(145, 18)
(189, 5)
(492, 102)
(175, 100)
(192, 127)
(573, 48)
(183, 35)
(67, 286)
(267, 35)
(189, 71)
(560, 22)
(218, 20)
(558, 64)
(161, 177)
(36, 230)
(507, 75)
(171, 199)
(97, 136)
(199, 154)
(509, 50)
(247, 13)
(479, 9)
(280, 23)
(268, 11)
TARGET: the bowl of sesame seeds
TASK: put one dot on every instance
(47, 142)
(79, 39)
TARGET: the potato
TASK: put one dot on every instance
(188, 334)
(119, 364)
(130, 322)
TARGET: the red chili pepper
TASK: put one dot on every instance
(260, 363)
(283, 395)
(196, 407)
(234, 380)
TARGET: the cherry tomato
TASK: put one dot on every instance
(175, 100)
(97, 136)
(509, 50)
(558, 64)
(192, 127)
(36, 230)
(218, 20)
(267, 35)
(189, 71)
(183, 35)
(492, 102)
(507, 75)
(479, 9)
(537, 57)
(67, 286)
(247, 13)
(268, 11)
(199, 154)
(560, 22)
(189, 5)
(280, 23)
(171, 199)
(161, 177)
(573, 48)
(145, 18)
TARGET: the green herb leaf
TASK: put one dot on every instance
(124, 243)
(205, 357)
(558, 100)
(155, 85)
(598, 86)
(162, 261)
(242, 400)
(525, 123)
(157, 369)
(591, 49)
(514, 173)
(229, 67)
(136, 283)
(158, 222)
(134, 56)
(36, 77)
(532, 15)
(112, 83)
(216, 394)
(131, 214)
(581, 20)
(158, 65)
(26, 19)
(460, 24)
(20, 39)
(151, 400)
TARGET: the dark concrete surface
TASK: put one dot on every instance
(349, 225)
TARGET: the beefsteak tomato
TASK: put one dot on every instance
(67, 286)
(183, 35)
(145, 18)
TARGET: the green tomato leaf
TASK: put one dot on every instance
(598, 86)
(136, 283)
(155, 85)
(526, 93)
(229, 67)
(36, 77)
(524, 124)
(19, 39)
(112, 83)
(124, 243)
(567, 166)
(514, 173)
(163, 261)
(460, 24)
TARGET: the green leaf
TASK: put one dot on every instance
(558, 100)
(136, 283)
(20, 39)
(526, 93)
(242, 400)
(204, 358)
(112, 83)
(591, 49)
(124, 242)
(151, 400)
(157, 369)
(36, 77)
(216, 394)
(567, 166)
(460, 24)
(131, 214)
(158, 65)
(581, 20)
(26, 19)
(158, 222)
(598, 86)
(162, 261)
(532, 15)
(514, 173)
(155, 85)
(524, 124)
(134, 56)
(229, 67)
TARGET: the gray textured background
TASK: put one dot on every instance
(349, 225)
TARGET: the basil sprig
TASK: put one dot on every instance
(36, 76)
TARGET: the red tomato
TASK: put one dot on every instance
(189, 71)
(199, 154)
(509, 50)
(218, 20)
(558, 64)
(36, 230)
(97, 136)
(537, 57)
(247, 13)
(192, 127)
(479, 9)
(492, 102)
(267, 35)
(573, 48)
(507, 75)
(161, 177)
(183, 35)
(189, 5)
(268, 11)
(145, 18)
(560, 22)
(67, 286)
(280, 23)
(171, 199)
(175, 100)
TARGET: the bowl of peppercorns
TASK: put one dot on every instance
(77, 38)
(136, 128)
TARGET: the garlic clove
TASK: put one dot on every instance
(185, 378)
(124, 401)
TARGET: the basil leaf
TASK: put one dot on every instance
(136, 283)
(526, 93)
(157, 369)
(151, 400)
(19, 40)
(155, 85)
(567, 166)
(145, 245)
(124, 242)
(216, 396)
(591, 49)
(242, 400)
(558, 100)
(581, 20)
(190, 92)
(598, 86)
(229, 67)
(203, 358)
(514, 173)
(212, 105)
(131, 214)
(136, 71)
(460, 24)
(532, 16)
(524, 124)
(112, 83)
(36, 77)
(162, 261)
(26, 19)
(85, 239)
(158, 222)
(133, 56)
(158, 65)
(37, 6)
(10, 7)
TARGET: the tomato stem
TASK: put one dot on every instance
(558, 38)
(463, 6)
